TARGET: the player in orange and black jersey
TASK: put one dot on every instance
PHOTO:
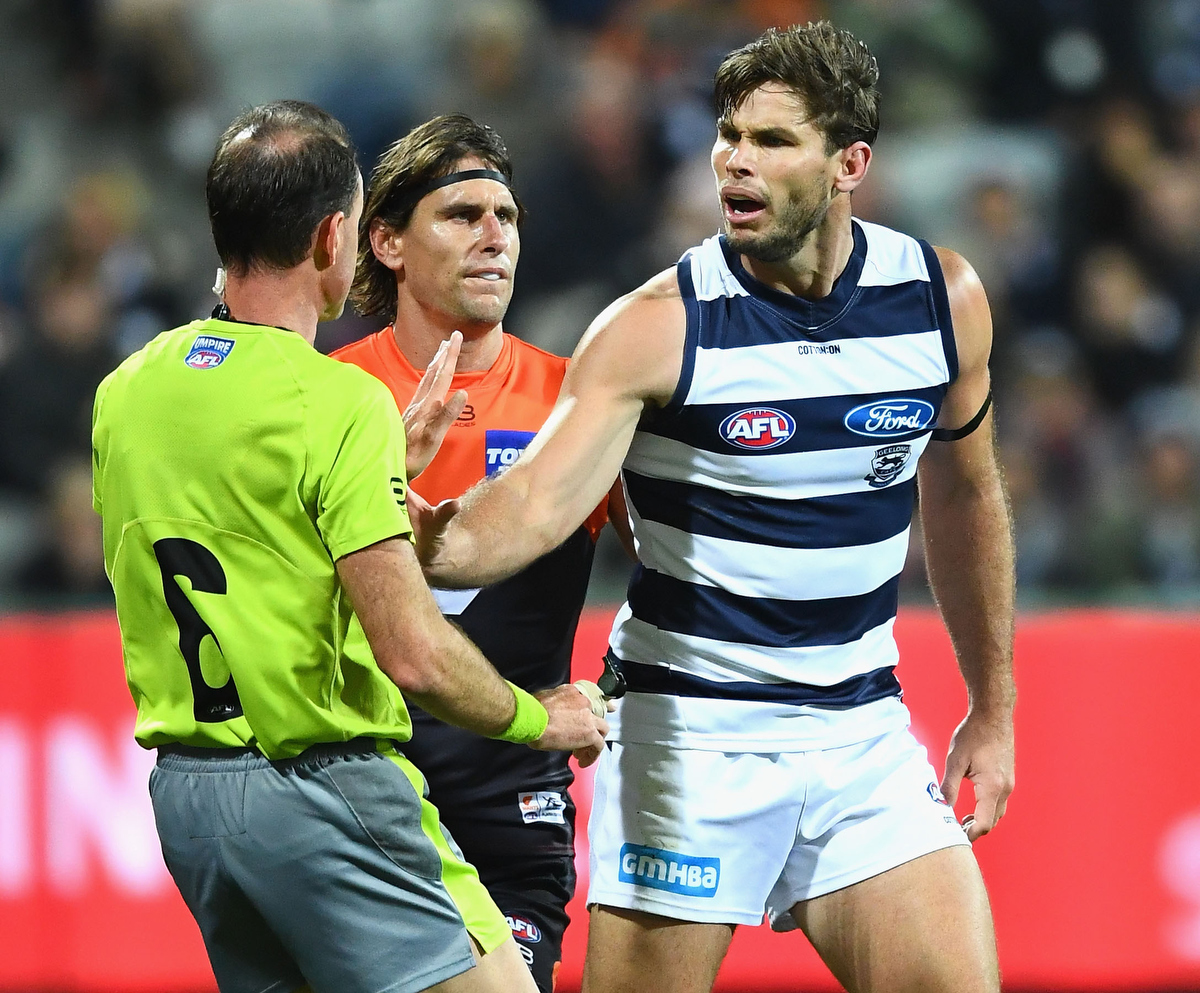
(439, 247)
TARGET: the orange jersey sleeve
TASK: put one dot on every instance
(506, 405)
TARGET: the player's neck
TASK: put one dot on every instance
(811, 272)
(419, 335)
(278, 299)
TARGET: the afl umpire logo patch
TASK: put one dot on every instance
(758, 428)
(209, 352)
(886, 464)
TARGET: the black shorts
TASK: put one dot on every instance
(532, 892)
(522, 844)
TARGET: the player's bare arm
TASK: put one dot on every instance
(969, 551)
(631, 356)
(436, 666)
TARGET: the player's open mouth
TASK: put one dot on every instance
(491, 275)
(741, 205)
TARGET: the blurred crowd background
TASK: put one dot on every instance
(1055, 143)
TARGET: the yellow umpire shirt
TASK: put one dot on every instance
(233, 465)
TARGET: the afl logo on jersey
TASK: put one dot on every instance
(758, 428)
(209, 352)
(890, 418)
(524, 929)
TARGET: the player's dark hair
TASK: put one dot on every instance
(427, 153)
(833, 72)
(278, 171)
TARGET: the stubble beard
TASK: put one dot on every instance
(481, 309)
(798, 217)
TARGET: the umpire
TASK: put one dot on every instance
(272, 610)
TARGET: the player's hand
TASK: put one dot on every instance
(981, 750)
(419, 509)
(601, 705)
(429, 522)
(429, 414)
(574, 725)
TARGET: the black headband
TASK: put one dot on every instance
(412, 197)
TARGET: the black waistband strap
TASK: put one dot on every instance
(355, 746)
(853, 692)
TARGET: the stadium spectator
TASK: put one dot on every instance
(47, 384)
(1169, 515)
(69, 565)
(96, 87)
(1131, 331)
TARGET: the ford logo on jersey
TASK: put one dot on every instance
(890, 418)
(503, 448)
(691, 875)
(758, 428)
(208, 352)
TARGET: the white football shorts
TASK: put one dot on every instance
(722, 837)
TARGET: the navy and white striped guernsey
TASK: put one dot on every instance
(771, 501)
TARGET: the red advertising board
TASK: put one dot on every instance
(1094, 873)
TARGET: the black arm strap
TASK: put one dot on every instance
(948, 434)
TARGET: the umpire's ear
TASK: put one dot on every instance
(388, 244)
(332, 240)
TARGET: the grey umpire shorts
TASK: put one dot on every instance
(329, 869)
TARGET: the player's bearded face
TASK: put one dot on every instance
(794, 215)
(774, 174)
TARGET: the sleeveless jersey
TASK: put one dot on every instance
(771, 502)
(233, 465)
(525, 625)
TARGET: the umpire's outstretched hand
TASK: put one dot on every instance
(429, 414)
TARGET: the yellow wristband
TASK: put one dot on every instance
(530, 720)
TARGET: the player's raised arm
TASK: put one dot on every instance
(631, 356)
(438, 668)
(969, 551)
